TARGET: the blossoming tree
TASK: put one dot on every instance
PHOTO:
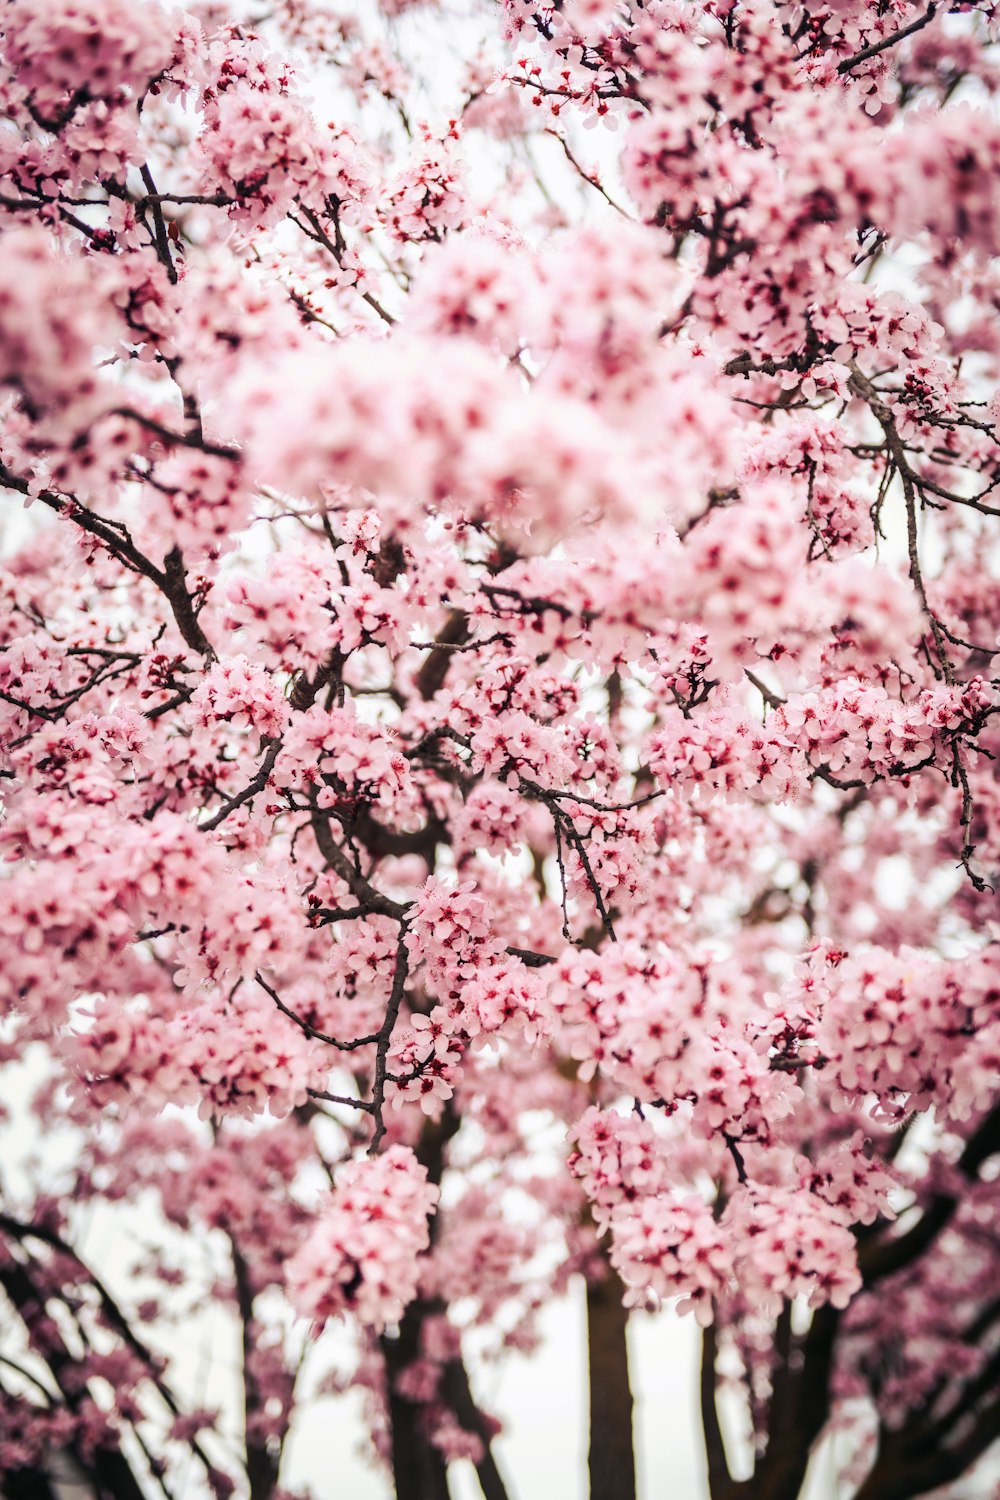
(498, 712)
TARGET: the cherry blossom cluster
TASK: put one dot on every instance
(619, 1159)
(480, 988)
(243, 695)
(498, 692)
(772, 1242)
(361, 1254)
(667, 1042)
(930, 1029)
(856, 731)
(342, 756)
(50, 358)
(50, 47)
(227, 1059)
(261, 147)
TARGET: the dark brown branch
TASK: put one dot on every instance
(881, 1257)
(458, 1392)
(782, 1470)
(183, 439)
(780, 1409)
(960, 778)
(372, 900)
(863, 387)
(319, 234)
(364, 1105)
(160, 236)
(531, 959)
(170, 580)
(887, 41)
(385, 1038)
(261, 1464)
(434, 669)
(251, 790)
(306, 689)
(112, 1312)
(590, 178)
(209, 200)
(737, 1155)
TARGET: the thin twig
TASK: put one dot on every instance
(311, 1031)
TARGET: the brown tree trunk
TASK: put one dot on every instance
(261, 1463)
(611, 1456)
(418, 1469)
(463, 1404)
(800, 1407)
(720, 1481)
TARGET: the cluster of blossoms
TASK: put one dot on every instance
(426, 199)
(243, 695)
(855, 731)
(229, 1059)
(674, 1247)
(499, 636)
(342, 756)
(361, 1254)
(50, 358)
(385, 419)
(66, 54)
(669, 1040)
(930, 1030)
(476, 987)
(860, 730)
(262, 148)
(770, 1241)
(201, 503)
(671, 1248)
(619, 1159)
(791, 1246)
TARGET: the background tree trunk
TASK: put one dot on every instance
(611, 1456)
(417, 1466)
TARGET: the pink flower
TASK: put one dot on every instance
(362, 1253)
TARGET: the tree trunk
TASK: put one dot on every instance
(261, 1463)
(417, 1466)
(463, 1404)
(26, 1484)
(611, 1457)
